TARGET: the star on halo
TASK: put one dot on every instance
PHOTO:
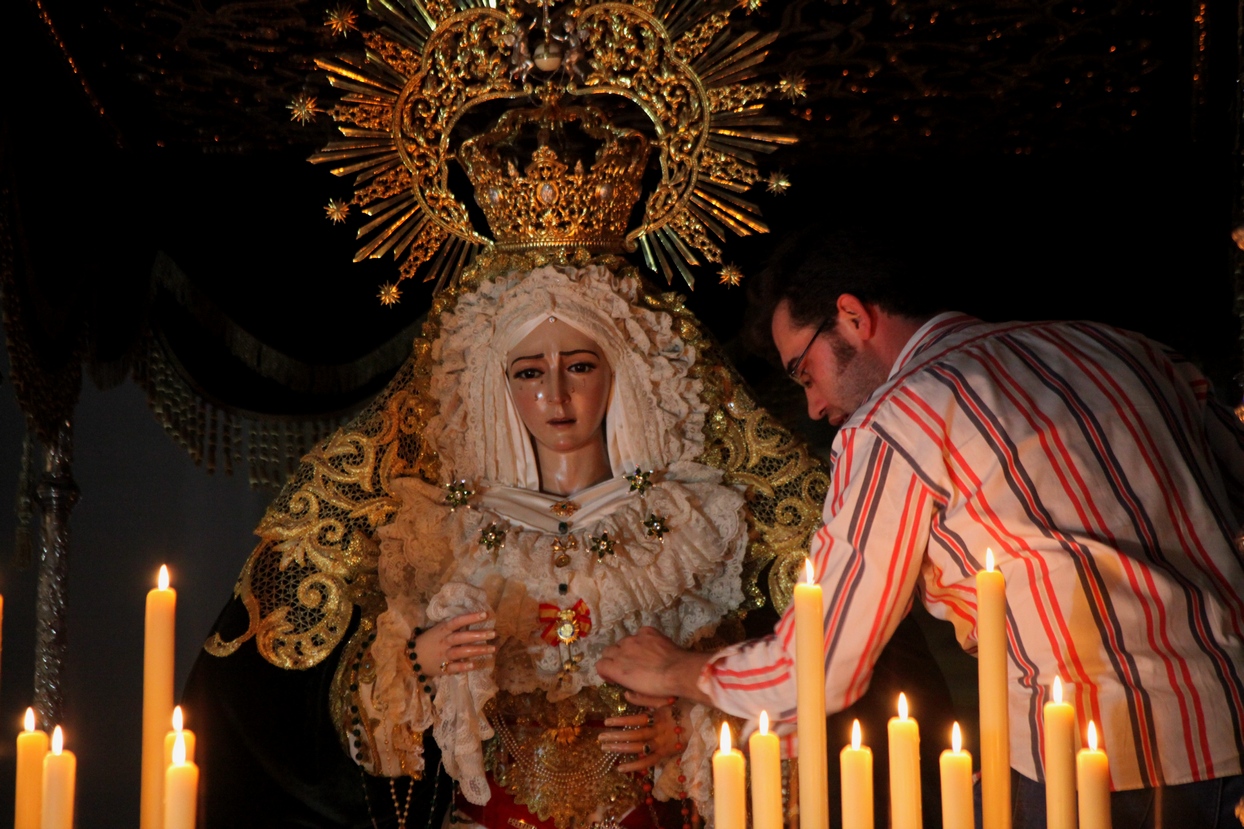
(792, 86)
(337, 210)
(731, 275)
(341, 19)
(303, 108)
(777, 183)
(389, 294)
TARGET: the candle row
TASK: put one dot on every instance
(46, 774)
(958, 809)
(856, 760)
(1073, 787)
(47, 778)
(1091, 779)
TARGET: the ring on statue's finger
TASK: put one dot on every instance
(647, 749)
(445, 666)
(650, 719)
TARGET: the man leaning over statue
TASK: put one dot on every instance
(1095, 463)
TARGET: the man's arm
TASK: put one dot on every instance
(866, 558)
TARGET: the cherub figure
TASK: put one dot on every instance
(575, 52)
(521, 63)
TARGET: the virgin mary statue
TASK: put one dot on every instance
(565, 458)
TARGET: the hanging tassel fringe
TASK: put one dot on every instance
(216, 436)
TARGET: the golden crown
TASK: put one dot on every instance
(550, 204)
(433, 65)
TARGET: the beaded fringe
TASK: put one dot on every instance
(219, 437)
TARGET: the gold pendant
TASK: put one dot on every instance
(561, 548)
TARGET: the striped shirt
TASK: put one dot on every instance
(1110, 487)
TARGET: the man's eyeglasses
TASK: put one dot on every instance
(792, 370)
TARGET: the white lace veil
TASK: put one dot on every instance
(655, 416)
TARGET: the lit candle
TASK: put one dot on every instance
(60, 769)
(157, 695)
(857, 782)
(810, 682)
(32, 747)
(171, 737)
(994, 725)
(1093, 783)
(766, 761)
(181, 788)
(1060, 755)
(905, 808)
(958, 810)
(729, 785)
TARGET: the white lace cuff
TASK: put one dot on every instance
(695, 763)
(461, 727)
(395, 699)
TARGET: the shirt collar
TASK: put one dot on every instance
(923, 333)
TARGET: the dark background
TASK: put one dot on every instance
(1049, 159)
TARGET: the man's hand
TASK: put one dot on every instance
(650, 663)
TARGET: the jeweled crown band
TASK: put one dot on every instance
(550, 203)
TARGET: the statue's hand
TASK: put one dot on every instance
(449, 649)
(652, 736)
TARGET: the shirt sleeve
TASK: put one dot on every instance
(866, 558)
(1224, 433)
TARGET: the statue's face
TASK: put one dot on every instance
(560, 381)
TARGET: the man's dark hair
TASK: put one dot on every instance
(816, 264)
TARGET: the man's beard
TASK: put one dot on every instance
(858, 375)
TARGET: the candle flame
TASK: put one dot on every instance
(179, 749)
(1092, 736)
(58, 740)
(764, 722)
(956, 739)
(30, 720)
(162, 581)
(725, 738)
(807, 570)
(989, 563)
(178, 720)
(856, 738)
(1058, 690)
(902, 706)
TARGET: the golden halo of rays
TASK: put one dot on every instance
(398, 221)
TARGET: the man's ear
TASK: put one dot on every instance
(857, 322)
